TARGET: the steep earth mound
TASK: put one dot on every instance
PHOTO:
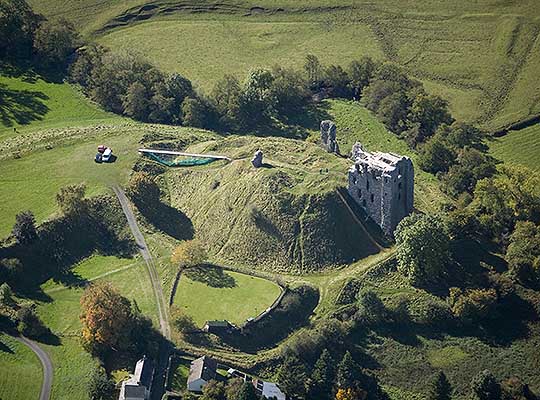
(285, 216)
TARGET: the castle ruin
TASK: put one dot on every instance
(383, 184)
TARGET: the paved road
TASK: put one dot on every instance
(150, 265)
(47, 366)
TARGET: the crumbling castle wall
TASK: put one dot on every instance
(328, 136)
(383, 184)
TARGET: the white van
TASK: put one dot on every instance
(106, 155)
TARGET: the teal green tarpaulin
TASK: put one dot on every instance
(189, 162)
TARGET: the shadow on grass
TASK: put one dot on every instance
(21, 106)
(211, 276)
(168, 219)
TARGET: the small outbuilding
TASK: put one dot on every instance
(201, 371)
(269, 390)
(217, 327)
(138, 386)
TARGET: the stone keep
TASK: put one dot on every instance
(383, 184)
(328, 136)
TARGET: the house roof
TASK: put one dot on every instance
(202, 368)
(134, 391)
(143, 372)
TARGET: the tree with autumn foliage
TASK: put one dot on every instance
(107, 319)
(189, 253)
(350, 394)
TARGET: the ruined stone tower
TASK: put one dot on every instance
(383, 184)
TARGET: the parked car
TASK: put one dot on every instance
(99, 158)
(106, 157)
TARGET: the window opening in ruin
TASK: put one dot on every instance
(372, 198)
(359, 192)
(367, 185)
(399, 185)
(399, 196)
(364, 202)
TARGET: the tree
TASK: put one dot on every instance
(337, 79)
(227, 97)
(100, 386)
(473, 305)
(523, 254)
(348, 372)
(392, 111)
(106, 318)
(502, 200)
(6, 295)
(371, 309)
(246, 392)
(292, 376)
(440, 388)
(289, 93)
(430, 112)
(313, 70)
(18, 24)
(55, 41)
(485, 386)
(436, 155)
(143, 189)
(24, 229)
(255, 100)
(70, 199)
(214, 390)
(189, 253)
(233, 388)
(320, 386)
(351, 394)
(194, 112)
(423, 248)
(183, 323)
(136, 103)
(361, 72)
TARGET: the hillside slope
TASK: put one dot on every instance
(285, 216)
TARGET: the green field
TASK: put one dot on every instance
(480, 56)
(20, 371)
(30, 104)
(73, 365)
(242, 296)
(31, 182)
(519, 147)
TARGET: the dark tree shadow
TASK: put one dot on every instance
(5, 349)
(70, 279)
(266, 225)
(168, 219)
(211, 276)
(21, 106)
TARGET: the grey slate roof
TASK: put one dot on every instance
(202, 368)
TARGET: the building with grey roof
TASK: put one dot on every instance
(139, 385)
(201, 371)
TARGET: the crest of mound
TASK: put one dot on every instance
(285, 216)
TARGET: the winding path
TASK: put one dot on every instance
(45, 362)
(149, 261)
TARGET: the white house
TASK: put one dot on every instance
(138, 386)
(201, 371)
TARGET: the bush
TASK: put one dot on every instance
(473, 305)
(24, 229)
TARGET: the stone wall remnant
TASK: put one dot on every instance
(257, 159)
(328, 136)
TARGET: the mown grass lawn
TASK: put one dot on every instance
(36, 104)
(519, 147)
(31, 182)
(72, 364)
(20, 371)
(242, 296)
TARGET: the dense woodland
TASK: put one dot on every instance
(493, 207)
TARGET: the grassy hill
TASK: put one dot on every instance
(481, 56)
(519, 147)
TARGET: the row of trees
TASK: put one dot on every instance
(29, 37)
(128, 85)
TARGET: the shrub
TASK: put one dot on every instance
(24, 229)
(474, 304)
